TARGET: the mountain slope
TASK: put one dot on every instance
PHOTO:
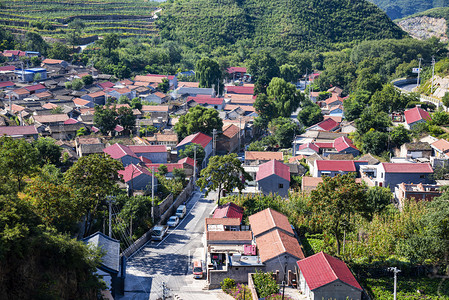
(427, 24)
(287, 24)
(397, 9)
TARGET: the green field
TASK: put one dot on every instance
(408, 288)
(49, 18)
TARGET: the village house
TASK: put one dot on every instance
(98, 98)
(207, 101)
(325, 125)
(322, 276)
(423, 192)
(440, 148)
(392, 174)
(88, 145)
(260, 157)
(19, 131)
(229, 210)
(228, 140)
(415, 116)
(415, 150)
(167, 139)
(138, 178)
(122, 153)
(155, 153)
(198, 138)
(273, 177)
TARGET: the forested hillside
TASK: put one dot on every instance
(302, 24)
(397, 9)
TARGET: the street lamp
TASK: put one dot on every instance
(395, 271)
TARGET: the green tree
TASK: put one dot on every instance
(374, 142)
(77, 84)
(126, 118)
(289, 73)
(310, 114)
(355, 104)
(265, 284)
(198, 119)
(208, 73)
(266, 108)
(285, 96)
(223, 173)
(136, 103)
(123, 99)
(93, 178)
(189, 151)
(111, 42)
(162, 170)
(390, 99)
(334, 203)
(263, 67)
(74, 28)
(18, 160)
(400, 135)
(105, 119)
(440, 117)
(47, 150)
(377, 199)
(136, 210)
(87, 80)
(34, 42)
(284, 130)
(372, 118)
(164, 86)
(59, 51)
(445, 99)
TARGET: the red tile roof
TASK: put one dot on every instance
(7, 84)
(269, 219)
(328, 124)
(273, 167)
(336, 165)
(325, 145)
(230, 130)
(236, 70)
(170, 167)
(197, 138)
(343, 143)
(132, 171)
(206, 99)
(35, 87)
(17, 130)
(249, 90)
(416, 114)
(105, 85)
(8, 68)
(276, 243)
(407, 168)
(117, 151)
(71, 121)
(187, 160)
(321, 269)
(229, 210)
(21, 91)
(96, 94)
(263, 155)
(309, 145)
(148, 149)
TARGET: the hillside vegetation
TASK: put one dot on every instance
(128, 17)
(302, 24)
(397, 9)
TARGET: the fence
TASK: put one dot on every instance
(168, 207)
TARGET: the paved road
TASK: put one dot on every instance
(169, 261)
(408, 87)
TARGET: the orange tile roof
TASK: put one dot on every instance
(154, 108)
(441, 145)
(16, 107)
(230, 130)
(21, 91)
(223, 221)
(229, 107)
(229, 236)
(188, 84)
(51, 118)
(263, 155)
(267, 220)
(49, 106)
(52, 61)
(295, 158)
(276, 243)
(148, 79)
(43, 95)
(96, 94)
(80, 102)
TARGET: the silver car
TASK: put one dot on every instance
(173, 221)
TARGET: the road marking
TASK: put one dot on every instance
(179, 223)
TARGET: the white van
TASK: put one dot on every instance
(181, 211)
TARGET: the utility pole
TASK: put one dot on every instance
(395, 271)
(214, 132)
(110, 214)
(240, 128)
(194, 164)
(152, 193)
(419, 71)
(433, 73)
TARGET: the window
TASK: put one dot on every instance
(281, 186)
(422, 176)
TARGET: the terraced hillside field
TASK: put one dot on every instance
(50, 18)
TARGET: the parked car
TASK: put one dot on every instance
(197, 269)
(181, 211)
(158, 232)
(173, 221)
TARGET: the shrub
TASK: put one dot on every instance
(265, 284)
(227, 284)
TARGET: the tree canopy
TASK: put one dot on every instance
(198, 119)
